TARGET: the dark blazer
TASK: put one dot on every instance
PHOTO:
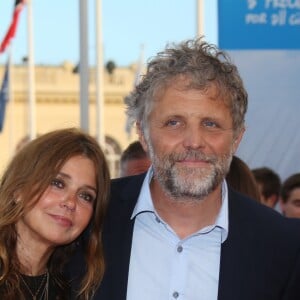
(259, 259)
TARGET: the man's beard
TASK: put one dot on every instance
(184, 183)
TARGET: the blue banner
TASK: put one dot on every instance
(259, 24)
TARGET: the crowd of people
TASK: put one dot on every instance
(186, 219)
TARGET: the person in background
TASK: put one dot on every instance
(134, 160)
(178, 231)
(54, 187)
(269, 185)
(241, 179)
(290, 196)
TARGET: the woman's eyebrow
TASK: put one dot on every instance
(67, 176)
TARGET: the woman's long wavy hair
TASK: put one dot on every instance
(27, 176)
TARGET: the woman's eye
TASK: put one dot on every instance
(57, 183)
(87, 196)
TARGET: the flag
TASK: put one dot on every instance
(13, 26)
(4, 95)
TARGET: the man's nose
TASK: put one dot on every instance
(194, 137)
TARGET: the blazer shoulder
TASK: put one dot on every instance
(245, 210)
(125, 181)
(125, 190)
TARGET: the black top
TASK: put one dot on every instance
(35, 287)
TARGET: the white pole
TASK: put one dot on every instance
(31, 75)
(200, 18)
(139, 67)
(84, 66)
(99, 76)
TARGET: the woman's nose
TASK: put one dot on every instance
(69, 202)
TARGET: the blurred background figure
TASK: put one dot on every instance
(290, 196)
(269, 185)
(134, 160)
(241, 179)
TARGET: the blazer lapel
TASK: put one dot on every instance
(236, 252)
(117, 237)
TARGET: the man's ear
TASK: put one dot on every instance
(238, 139)
(141, 135)
(282, 206)
(272, 200)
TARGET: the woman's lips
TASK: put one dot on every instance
(62, 220)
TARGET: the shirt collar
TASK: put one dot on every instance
(145, 204)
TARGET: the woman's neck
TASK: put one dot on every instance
(33, 258)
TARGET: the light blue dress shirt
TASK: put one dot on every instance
(164, 267)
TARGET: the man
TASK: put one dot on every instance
(290, 196)
(134, 160)
(269, 185)
(179, 232)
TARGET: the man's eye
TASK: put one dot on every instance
(172, 123)
(210, 124)
(57, 183)
(87, 196)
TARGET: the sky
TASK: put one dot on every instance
(127, 26)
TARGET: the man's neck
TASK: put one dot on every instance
(186, 216)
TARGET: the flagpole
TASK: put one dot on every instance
(200, 18)
(31, 75)
(84, 66)
(99, 76)
(139, 67)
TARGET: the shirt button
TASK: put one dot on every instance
(175, 295)
(157, 219)
(179, 249)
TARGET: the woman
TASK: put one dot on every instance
(51, 191)
(241, 179)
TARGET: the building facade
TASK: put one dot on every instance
(57, 106)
